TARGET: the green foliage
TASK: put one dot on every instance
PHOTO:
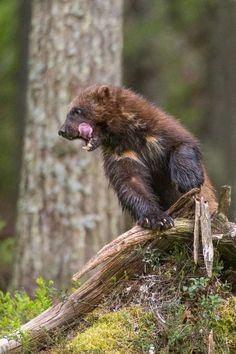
(200, 307)
(195, 310)
(75, 285)
(130, 330)
(19, 308)
(151, 258)
(178, 332)
(209, 306)
(196, 286)
(27, 347)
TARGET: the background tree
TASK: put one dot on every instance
(220, 132)
(8, 133)
(8, 92)
(186, 52)
(65, 211)
(178, 53)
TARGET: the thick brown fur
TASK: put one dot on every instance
(149, 157)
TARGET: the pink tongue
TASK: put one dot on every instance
(85, 130)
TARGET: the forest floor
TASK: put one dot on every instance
(170, 307)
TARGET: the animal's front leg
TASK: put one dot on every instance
(186, 168)
(132, 184)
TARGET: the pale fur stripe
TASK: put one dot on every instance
(155, 143)
(129, 154)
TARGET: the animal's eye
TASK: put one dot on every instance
(77, 111)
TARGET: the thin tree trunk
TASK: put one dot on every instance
(65, 212)
(222, 103)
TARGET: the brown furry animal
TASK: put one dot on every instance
(149, 157)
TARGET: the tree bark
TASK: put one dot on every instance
(65, 212)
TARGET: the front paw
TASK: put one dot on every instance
(156, 221)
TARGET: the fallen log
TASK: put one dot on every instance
(117, 258)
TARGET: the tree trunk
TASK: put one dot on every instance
(222, 103)
(65, 212)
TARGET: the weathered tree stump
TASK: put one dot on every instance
(120, 256)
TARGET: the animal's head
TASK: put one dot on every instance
(88, 116)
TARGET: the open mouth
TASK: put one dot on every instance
(85, 131)
(88, 145)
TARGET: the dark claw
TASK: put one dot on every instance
(158, 221)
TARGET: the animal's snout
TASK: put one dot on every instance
(62, 132)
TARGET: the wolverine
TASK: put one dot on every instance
(149, 158)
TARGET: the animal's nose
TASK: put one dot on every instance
(62, 131)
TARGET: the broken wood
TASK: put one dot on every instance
(117, 258)
(196, 233)
(207, 245)
(184, 204)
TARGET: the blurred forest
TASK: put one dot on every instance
(180, 54)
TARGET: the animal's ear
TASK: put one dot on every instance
(104, 92)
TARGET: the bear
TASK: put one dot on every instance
(149, 157)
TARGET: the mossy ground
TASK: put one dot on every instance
(130, 330)
(171, 308)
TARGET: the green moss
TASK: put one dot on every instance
(225, 327)
(130, 330)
